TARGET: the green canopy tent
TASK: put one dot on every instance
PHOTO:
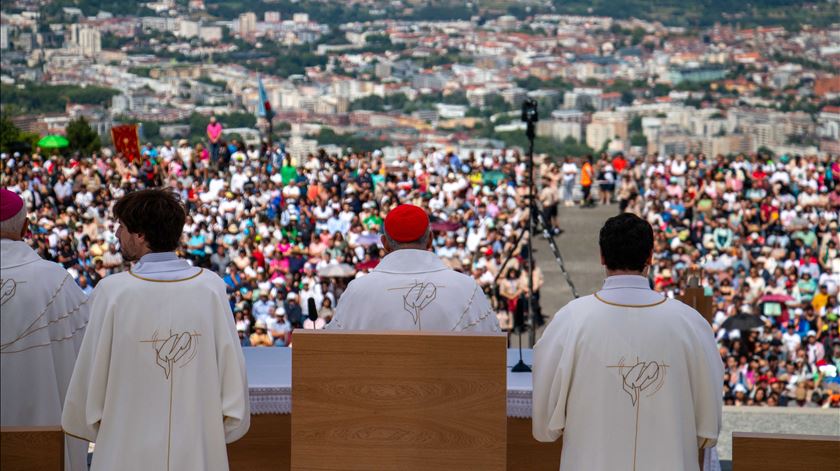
(53, 142)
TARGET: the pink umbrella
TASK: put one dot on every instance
(445, 226)
(776, 298)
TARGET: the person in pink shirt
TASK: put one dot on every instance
(214, 134)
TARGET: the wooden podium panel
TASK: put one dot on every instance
(526, 453)
(266, 446)
(31, 449)
(398, 400)
(783, 452)
(697, 299)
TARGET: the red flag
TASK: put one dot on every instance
(126, 140)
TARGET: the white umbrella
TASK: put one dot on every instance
(338, 270)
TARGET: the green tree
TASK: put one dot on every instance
(198, 125)
(238, 120)
(151, 130)
(82, 137)
(140, 71)
(638, 139)
(661, 89)
(13, 139)
(37, 98)
(636, 124)
(8, 134)
(456, 98)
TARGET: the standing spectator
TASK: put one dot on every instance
(570, 173)
(586, 175)
(550, 199)
(214, 135)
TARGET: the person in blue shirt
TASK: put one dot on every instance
(454, 162)
(85, 286)
(263, 306)
(243, 337)
(196, 245)
(232, 279)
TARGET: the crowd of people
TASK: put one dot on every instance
(287, 234)
(760, 235)
(281, 231)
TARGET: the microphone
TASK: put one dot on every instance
(313, 312)
(519, 326)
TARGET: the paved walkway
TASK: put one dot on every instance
(579, 247)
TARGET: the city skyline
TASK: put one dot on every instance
(603, 84)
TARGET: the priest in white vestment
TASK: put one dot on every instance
(411, 288)
(160, 381)
(631, 380)
(43, 320)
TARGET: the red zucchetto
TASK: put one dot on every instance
(10, 204)
(406, 223)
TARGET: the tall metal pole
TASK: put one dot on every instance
(532, 206)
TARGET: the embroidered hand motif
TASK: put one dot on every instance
(8, 287)
(173, 349)
(178, 348)
(418, 297)
(641, 376)
(637, 378)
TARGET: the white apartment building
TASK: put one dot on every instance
(606, 126)
(247, 24)
(210, 33)
(188, 29)
(87, 39)
(560, 130)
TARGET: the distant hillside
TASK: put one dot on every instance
(788, 13)
(690, 13)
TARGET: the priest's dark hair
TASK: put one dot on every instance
(626, 242)
(157, 213)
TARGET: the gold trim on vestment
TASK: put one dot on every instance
(200, 271)
(629, 305)
(74, 436)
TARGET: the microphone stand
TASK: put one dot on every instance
(520, 367)
(519, 325)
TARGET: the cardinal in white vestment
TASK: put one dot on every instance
(411, 288)
(630, 380)
(160, 381)
(44, 314)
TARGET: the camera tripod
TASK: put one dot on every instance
(536, 219)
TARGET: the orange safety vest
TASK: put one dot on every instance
(586, 174)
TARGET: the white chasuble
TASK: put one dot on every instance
(413, 290)
(628, 386)
(160, 381)
(44, 314)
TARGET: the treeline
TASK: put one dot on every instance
(357, 143)
(35, 98)
(703, 13)
(198, 125)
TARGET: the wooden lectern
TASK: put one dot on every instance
(695, 296)
(31, 448)
(398, 400)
